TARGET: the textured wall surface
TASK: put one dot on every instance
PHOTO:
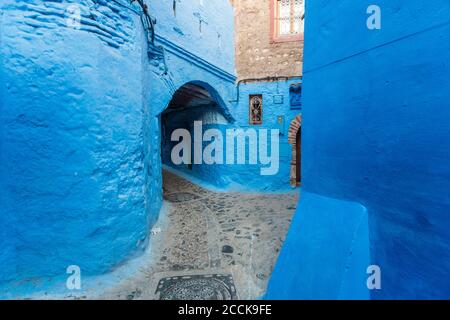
(71, 142)
(256, 55)
(80, 136)
(376, 132)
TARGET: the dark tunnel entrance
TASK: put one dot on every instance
(192, 105)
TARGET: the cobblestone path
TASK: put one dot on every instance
(210, 233)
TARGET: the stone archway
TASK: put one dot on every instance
(294, 130)
(193, 103)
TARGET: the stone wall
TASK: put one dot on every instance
(256, 55)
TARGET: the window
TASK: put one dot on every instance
(287, 18)
(295, 96)
(255, 109)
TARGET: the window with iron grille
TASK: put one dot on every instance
(288, 18)
(255, 109)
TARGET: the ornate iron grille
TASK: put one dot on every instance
(255, 109)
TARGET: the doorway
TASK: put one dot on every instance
(298, 157)
(295, 139)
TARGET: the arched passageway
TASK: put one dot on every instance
(195, 107)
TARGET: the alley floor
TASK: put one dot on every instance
(210, 245)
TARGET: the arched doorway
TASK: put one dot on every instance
(193, 103)
(295, 139)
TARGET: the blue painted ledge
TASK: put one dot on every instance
(326, 253)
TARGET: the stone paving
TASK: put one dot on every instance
(232, 235)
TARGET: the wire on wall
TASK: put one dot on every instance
(147, 21)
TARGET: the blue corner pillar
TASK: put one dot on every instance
(326, 253)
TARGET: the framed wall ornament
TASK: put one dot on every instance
(255, 109)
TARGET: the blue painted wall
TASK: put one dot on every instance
(375, 134)
(276, 103)
(326, 254)
(80, 127)
(72, 170)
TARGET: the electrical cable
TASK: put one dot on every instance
(125, 6)
(146, 19)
